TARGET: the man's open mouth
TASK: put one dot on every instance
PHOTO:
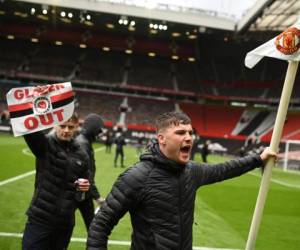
(185, 149)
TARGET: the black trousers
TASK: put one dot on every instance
(204, 157)
(121, 153)
(40, 237)
(86, 208)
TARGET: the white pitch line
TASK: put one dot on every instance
(278, 182)
(289, 171)
(110, 242)
(17, 178)
(14, 235)
(99, 149)
(26, 151)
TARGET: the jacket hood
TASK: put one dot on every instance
(154, 154)
(92, 126)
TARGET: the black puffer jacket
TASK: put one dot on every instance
(58, 165)
(86, 145)
(92, 126)
(160, 195)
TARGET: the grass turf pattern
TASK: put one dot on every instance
(223, 211)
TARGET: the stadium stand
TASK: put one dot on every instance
(204, 89)
(52, 61)
(291, 129)
(106, 105)
(12, 54)
(254, 123)
(144, 111)
(187, 77)
(150, 72)
(97, 66)
(213, 121)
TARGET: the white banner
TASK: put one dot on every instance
(286, 46)
(37, 108)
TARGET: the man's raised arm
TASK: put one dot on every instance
(37, 142)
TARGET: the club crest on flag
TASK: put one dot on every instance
(38, 108)
(42, 105)
(285, 46)
(288, 42)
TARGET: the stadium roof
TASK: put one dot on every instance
(252, 15)
(276, 16)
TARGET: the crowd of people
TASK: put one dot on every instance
(65, 181)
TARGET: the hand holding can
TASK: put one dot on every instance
(82, 185)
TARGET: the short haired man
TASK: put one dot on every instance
(159, 192)
(61, 172)
(120, 143)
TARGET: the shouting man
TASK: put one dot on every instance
(159, 191)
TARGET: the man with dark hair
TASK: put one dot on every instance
(205, 150)
(108, 142)
(91, 128)
(159, 191)
(120, 143)
(61, 175)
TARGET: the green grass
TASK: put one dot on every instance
(223, 211)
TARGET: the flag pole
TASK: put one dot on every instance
(279, 122)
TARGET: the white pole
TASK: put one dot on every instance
(279, 122)
(287, 147)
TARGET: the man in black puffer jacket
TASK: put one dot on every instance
(91, 128)
(61, 176)
(159, 191)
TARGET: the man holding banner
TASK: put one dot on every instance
(61, 165)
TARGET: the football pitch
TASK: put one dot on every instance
(223, 211)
